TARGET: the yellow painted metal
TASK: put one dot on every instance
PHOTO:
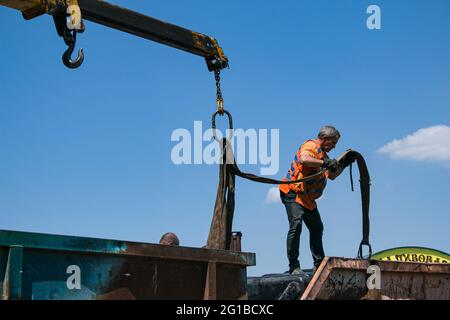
(21, 5)
(220, 55)
(34, 8)
(29, 8)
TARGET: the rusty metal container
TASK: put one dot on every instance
(236, 238)
(340, 278)
(53, 267)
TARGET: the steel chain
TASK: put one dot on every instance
(218, 92)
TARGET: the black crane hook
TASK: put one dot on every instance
(70, 38)
(67, 60)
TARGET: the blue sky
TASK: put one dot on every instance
(86, 152)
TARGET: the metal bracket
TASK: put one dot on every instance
(219, 61)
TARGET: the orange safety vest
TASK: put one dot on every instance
(308, 191)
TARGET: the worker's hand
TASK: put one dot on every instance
(348, 160)
(331, 164)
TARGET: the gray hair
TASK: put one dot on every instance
(328, 132)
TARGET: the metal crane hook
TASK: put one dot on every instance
(67, 60)
(69, 34)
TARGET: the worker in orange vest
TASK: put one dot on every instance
(300, 198)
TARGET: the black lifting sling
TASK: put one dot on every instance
(221, 224)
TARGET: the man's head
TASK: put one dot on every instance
(170, 239)
(328, 138)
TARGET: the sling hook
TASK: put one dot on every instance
(67, 60)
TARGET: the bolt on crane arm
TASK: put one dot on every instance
(119, 18)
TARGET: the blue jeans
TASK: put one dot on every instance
(296, 215)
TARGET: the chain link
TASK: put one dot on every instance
(219, 92)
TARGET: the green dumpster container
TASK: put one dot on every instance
(53, 267)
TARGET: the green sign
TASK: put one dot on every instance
(412, 254)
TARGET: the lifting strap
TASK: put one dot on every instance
(221, 225)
